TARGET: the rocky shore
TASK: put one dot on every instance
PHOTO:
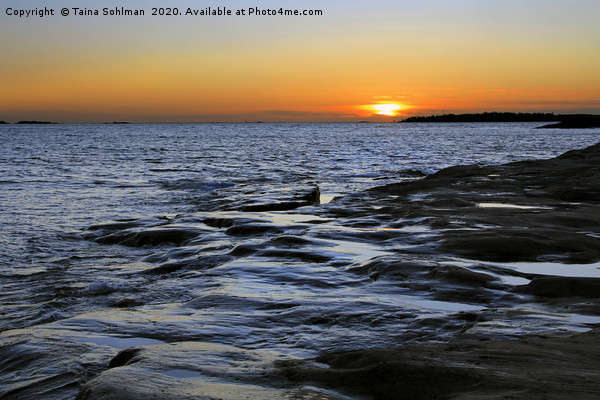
(531, 211)
(533, 368)
(524, 211)
(544, 210)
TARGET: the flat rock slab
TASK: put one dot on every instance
(542, 210)
(533, 368)
(538, 368)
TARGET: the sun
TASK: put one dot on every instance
(383, 108)
(388, 109)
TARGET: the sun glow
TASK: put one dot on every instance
(389, 109)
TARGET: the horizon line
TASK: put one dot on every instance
(401, 119)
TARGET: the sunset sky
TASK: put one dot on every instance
(413, 57)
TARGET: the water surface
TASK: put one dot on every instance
(117, 236)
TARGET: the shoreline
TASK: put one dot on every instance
(542, 210)
(538, 210)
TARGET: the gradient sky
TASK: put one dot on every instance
(428, 56)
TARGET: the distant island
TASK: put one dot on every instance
(487, 117)
(3, 122)
(563, 120)
(35, 122)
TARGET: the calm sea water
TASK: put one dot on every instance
(174, 197)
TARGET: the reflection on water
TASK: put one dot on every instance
(182, 373)
(555, 269)
(514, 206)
(326, 198)
(119, 342)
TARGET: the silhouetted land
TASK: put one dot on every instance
(35, 122)
(3, 122)
(581, 120)
(576, 122)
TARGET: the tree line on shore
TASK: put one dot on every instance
(504, 117)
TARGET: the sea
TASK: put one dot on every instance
(139, 235)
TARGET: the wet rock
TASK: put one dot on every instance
(125, 224)
(28, 361)
(523, 244)
(563, 368)
(155, 237)
(197, 263)
(282, 206)
(127, 303)
(394, 269)
(188, 371)
(251, 229)
(141, 232)
(289, 240)
(289, 254)
(300, 200)
(558, 286)
(462, 276)
(123, 357)
(523, 211)
(219, 222)
(243, 250)
(227, 301)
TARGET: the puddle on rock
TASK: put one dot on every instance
(512, 206)
(553, 269)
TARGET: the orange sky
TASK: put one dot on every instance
(427, 57)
